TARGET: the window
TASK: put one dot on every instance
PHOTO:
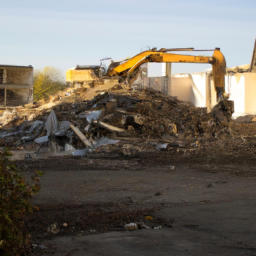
(1, 76)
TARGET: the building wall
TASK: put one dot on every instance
(18, 83)
(19, 76)
(73, 75)
(242, 90)
(199, 90)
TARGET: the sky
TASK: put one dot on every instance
(64, 33)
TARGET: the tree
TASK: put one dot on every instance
(15, 193)
(47, 82)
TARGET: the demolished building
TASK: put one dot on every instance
(16, 85)
(198, 88)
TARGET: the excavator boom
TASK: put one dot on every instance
(217, 61)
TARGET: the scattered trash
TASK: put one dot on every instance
(143, 225)
(161, 146)
(53, 228)
(64, 224)
(149, 218)
(158, 227)
(172, 167)
(158, 193)
(131, 226)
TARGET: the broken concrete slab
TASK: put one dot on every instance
(41, 139)
(51, 124)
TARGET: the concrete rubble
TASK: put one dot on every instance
(116, 120)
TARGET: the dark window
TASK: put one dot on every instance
(1, 76)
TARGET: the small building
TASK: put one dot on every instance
(16, 85)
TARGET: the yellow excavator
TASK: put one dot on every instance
(129, 67)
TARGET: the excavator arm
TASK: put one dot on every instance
(217, 61)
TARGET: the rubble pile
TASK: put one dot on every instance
(130, 119)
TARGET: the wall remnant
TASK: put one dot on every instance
(16, 85)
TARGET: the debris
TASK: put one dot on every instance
(80, 152)
(149, 218)
(91, 115)
(144, 121)
(161, 146)
(41, 139)
(53, 228)
(172, 167)
(35, 125)
(51, 124)
(81, 136)
(64, 224)
(131, 226)
(158, 227)
(110, 127)
(143, 225)
(105, 141)
(158, 193)
(68, 147)
(63, 128)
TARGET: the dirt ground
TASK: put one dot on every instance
(184, 176)
(191, 203)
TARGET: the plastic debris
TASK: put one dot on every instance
(105, 141)
(91, 115)
(161, 146)
(131, 226)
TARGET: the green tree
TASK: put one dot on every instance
(15, 193)
(47, 82)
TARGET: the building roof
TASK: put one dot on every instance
(14, 66)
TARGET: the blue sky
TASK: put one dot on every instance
(64, 33)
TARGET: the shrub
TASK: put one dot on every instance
(15, 193)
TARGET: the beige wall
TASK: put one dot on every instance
(199, 90)
(242, 90)
(73, 75)
(18, 82)
(18, 76)
(189, 87)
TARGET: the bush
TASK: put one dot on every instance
(47, 82)
(14, 207)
